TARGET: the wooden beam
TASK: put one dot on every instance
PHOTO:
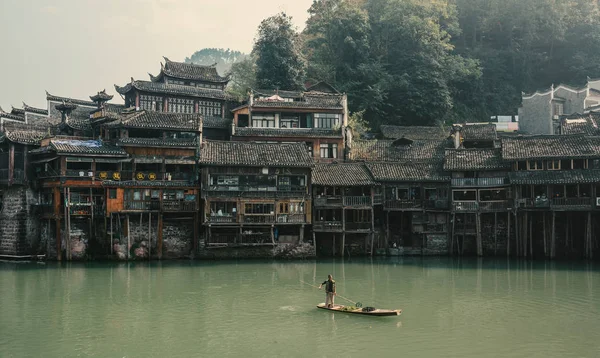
(531, 238)
(159, 234)
(478, 228)
(553, 240)
(495, 233)
(111, 234)
(508, 236)
(452, 234)
(545, 235)
(149, 235)
(517, 234)
(128, 236)
(68, 233)
(343, 231)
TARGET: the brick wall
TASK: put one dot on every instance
(19, 228)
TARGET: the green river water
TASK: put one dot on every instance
(451, 308)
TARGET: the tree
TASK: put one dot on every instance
(279, 63)
(223, 58)
(242, 77)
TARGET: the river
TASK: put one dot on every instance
(451, 308)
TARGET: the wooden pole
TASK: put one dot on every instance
(531, 238)
(508, 236)
(149, 234)
(589, 234)
(273, 234)
(92, 217)
(478, 228)
(68, 224)
(545, 239)
(462, 247)
(517, 234)
(333, 245)
(495, 233)
(452, 234)
(159, 234)
(111, 234)
(343, 231)
(128, 236)
(58, 240)
(387, 231)
(301, 236)
(553, 240)
(524, 227)
(372, 223)
(314, 236)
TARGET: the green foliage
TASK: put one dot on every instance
(242, 77)
(224, 58)
(279, 62)
(358, 124)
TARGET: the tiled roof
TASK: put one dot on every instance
(190, 71)
(17, 112)
(588, 124)
(159, 87)
(407, 171)
(288, 132)
(82, 124)
(216, 122)
(536, 177)
(111, 106)
(81, 147)
(342, 174)
(474, 132)
(11, 116)
(474, 159)
(35, 110)
(414, 132)
(280, 93)
(25, 134)
(550, 147)
(398, 150)
(255, 154)
(158, 142)
(160, 120)
(311, 100)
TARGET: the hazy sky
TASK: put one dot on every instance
(75, 48)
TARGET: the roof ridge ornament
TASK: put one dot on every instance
(167, 59)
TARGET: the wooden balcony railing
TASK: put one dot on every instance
(533, 203)
(146, 205)
(18, 176)
(358, 226)
(357, 201)
(327, 225)
(572, 202)
(291, 218)
(322, 201)
(465, 206)
(252, 194)
(221, 219)
(378, 199)
(404, 204)
(179, 205)
(257, 219)
(479, 182)
(495, 205)
(442, 203)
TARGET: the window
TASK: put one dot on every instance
(329, 150)
(465, 195)
(227, 180)
(263, 120)
(209, 108)
(181, 105)
(557, 109)
(522, 165)
(151, 103)
(492, 195)
(310, 149)
(327, 120)
(553, 164)
(289, 122)
(536, 165)
(579, 164)
(259, 208)
(112, 193)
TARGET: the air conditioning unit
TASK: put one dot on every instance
(598, 201)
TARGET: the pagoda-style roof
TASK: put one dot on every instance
(17, 111)
(342, 174)
(11, 116)
(163, 88)
(478, 132)
(288, 132)
(414, 132)
(188, 71)
(80, 147)
(277, 92)
(255, 154)
(474, 160)
(80, 102)
(158, 142)
(216, 122)
(24, 133)
(402, 149)
(101, 96)
(66, 106)
(588, 124)
(35, 110)
(539, 177)
(408, 172)
(574, 146)
(191, 122)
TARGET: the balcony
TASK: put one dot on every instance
(325, 201)
(492, 206)
(405, 204)
(247, 192)
(479, 182)
(178, 206)
(572, 203)
(465, 206)
(257, 219)
(358, 226)
(437, 204)
(291, 218)
(537, 203)
(357, 201)
(327, 226)
(142, 205)
(378, 199)
(221, 219)
(17, 178)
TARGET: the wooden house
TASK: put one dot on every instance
(346, 202)
(555, 180)
(255, 193)
(316, 118)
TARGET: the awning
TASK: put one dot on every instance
(43, 160)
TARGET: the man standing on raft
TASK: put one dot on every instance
(329, 291)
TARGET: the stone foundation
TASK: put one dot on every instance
(282, 251)
(19, 227)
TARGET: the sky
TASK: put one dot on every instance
(75, 48)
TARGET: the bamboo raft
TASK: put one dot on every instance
(375, 312)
